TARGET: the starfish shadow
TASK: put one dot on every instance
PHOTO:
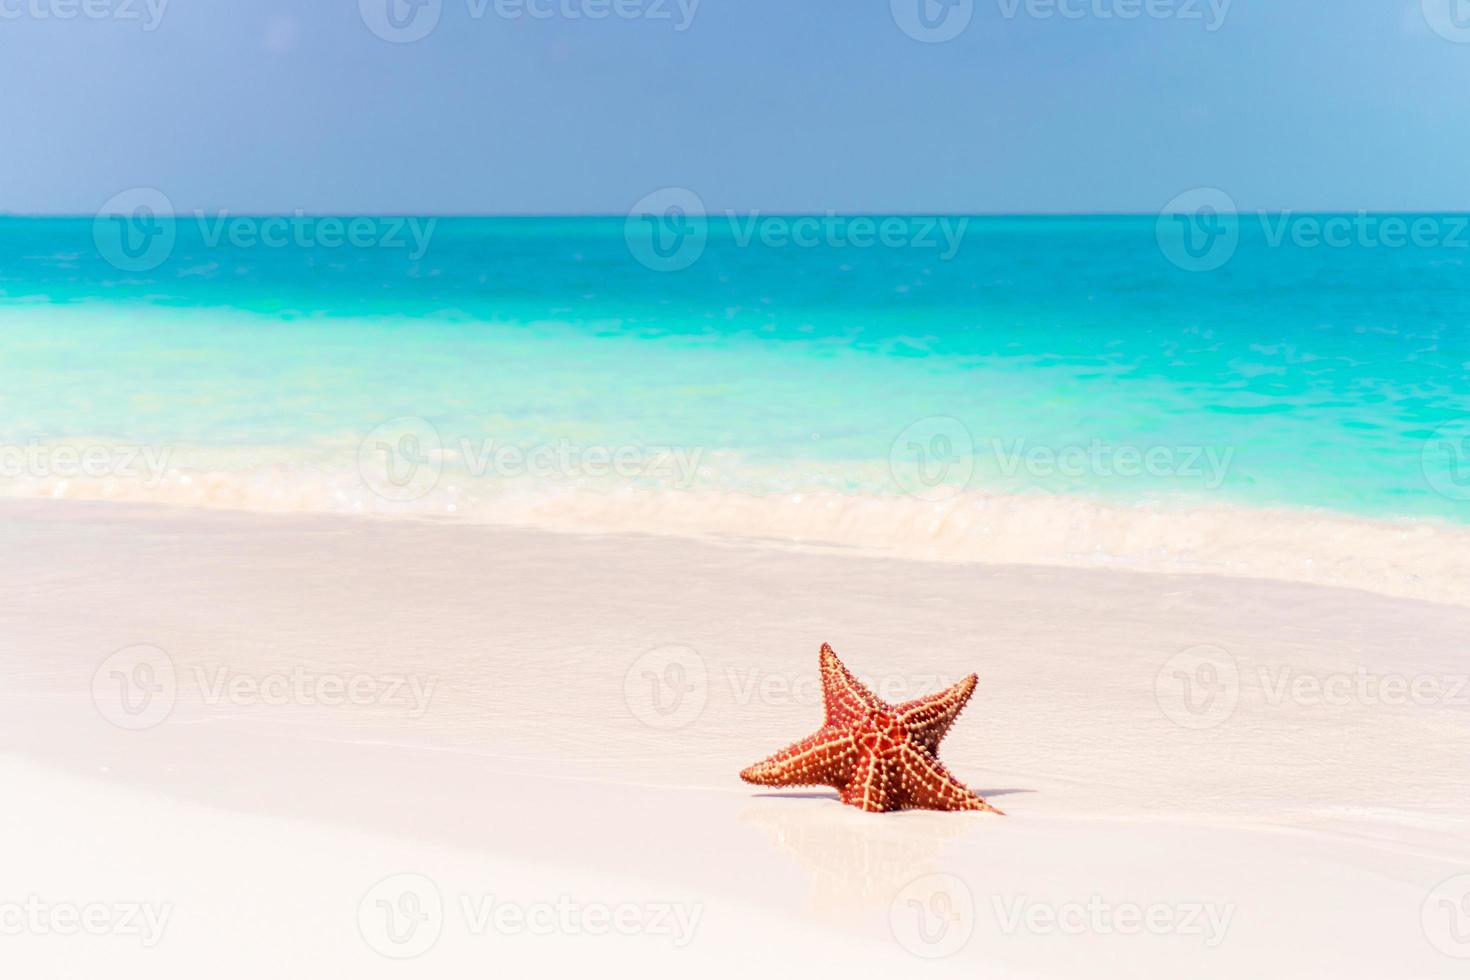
(795, 796)
(831, 795)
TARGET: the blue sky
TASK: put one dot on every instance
(780, 105)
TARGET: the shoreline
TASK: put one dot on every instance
(1413, 558)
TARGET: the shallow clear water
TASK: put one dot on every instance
(1066, 355)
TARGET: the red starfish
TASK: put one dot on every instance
(878, 756)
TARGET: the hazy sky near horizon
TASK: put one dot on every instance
(540, 106)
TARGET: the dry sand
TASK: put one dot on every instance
(397, 748)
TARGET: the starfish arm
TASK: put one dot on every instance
(927, 785)
(824, 759)
(871, 788)
(844, 698)
(928, 719)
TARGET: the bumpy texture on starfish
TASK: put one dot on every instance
(878, 756)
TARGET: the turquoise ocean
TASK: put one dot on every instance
(451, 366)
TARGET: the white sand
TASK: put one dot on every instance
(516, 736)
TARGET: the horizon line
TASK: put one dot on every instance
(569, 215)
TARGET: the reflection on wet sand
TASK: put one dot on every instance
(859, 862)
